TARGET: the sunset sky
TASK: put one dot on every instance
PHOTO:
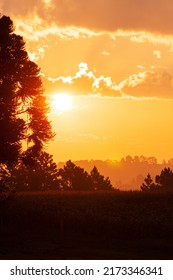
(111, 63)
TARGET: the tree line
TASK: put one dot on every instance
(44, 175)
(162, 182)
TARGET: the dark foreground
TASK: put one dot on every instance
(127, 225)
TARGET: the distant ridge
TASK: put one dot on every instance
(128, 173)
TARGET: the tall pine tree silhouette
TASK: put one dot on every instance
(23, 106)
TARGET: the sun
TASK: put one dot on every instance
(62, 102)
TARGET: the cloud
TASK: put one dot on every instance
(84, 82)
(34, 29)
(157, 54)
(108, 15)
(105, 53)
(146, 84)
(138, 36)
(149, 84)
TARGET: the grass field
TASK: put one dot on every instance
(87, 225)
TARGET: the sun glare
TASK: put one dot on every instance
(62, 102)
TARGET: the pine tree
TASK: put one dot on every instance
(148, 184)
(23, 107)
(45, 173)
(73, 177)
(41, 176)
(99, 181)
(165, 179)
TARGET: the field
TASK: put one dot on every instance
(87, 225)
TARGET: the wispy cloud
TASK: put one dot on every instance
(150, 84)
(34, 29)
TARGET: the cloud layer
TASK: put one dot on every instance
(146, 84)
(108, 15)
(40, 20)
(149, 84)
(83, 83)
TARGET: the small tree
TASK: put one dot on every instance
(165, 179)
(73, 177)
(6, 190)
(99, 181)
(148, 184)
(46, 172)
(19, 176)
(42, 175)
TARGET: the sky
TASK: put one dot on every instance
(115, 60)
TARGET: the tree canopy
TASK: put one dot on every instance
(41, 176)
(99, 181)
(23, 106)
(163, 182)
(73, 177)
(165, 179)
(148, 184)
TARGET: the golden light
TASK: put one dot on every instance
(62, 102)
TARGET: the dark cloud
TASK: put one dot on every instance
(109, 15)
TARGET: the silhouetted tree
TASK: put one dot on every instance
(42, 175)
(23, 107)
(4, 176)
(165, 179)
(152, 160)
(99, 181)
(129, 159)
(19, 176)
(6, 190)
(148, 184)
(73, 177)
(163, 182)
(45, 172)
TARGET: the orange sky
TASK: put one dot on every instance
(115, 58)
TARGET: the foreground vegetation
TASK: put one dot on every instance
(87, 225)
